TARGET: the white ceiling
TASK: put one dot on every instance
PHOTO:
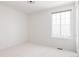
(37, 6)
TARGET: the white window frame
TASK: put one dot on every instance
(70, 24)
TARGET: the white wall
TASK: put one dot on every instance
(13, 27)
(77, 25)
(40, 28)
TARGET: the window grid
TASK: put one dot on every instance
(60, 24)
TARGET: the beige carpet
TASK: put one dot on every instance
(33, 50)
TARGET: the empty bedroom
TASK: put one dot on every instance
(39, 28)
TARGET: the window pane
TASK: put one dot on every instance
(68, 17)
(63, 18)
(65, 24)
(56, 25)
(65, 30)
(61, 24)
(55, 30)
(58, 18)
(54, 19)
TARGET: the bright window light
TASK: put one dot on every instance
(61, 26)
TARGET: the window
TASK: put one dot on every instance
(61, 26)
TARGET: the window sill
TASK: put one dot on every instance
(61, 38)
